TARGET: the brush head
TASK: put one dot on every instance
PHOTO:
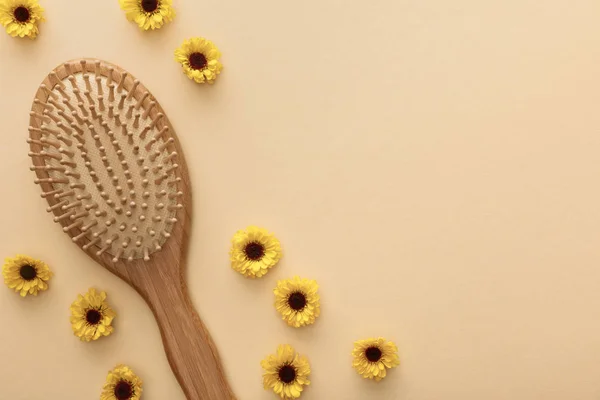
(108, 160)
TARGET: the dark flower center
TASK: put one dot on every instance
(93, 316)
(21, 14)
(149, 5)
(28, 272)
(254, 251)
(297, 301)
(373, 354)
(123, 390)
(197, 60)
(287, 374)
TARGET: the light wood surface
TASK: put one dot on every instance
(160, 280)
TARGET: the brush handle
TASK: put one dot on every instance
(190, 350)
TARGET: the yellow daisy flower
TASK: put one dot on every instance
(254, 251)
(200, 60)
(91, 316)
(297, 301)
(286, 372)
(122, 384)
(372, 357)
(21, 17)
(148, 14)
(26, 275)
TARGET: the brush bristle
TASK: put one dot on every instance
(109, 158)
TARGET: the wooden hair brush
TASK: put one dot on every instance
(113, 173)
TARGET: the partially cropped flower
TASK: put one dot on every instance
(254, 251)
(91, 316)
(26, 275)
(286, 372)
(199, 58)
(373, 357)
(122, 384)
(148, 14)
(21, 17)
(297, 301)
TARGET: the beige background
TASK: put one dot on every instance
(434, 164)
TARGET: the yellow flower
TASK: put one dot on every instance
(148, 14)
(372, 357)
(254, 251)
(21, 17)
(286, 372)
(297, 301)
(200, 60)
(91, 316)
(122, 384)
(26, 275)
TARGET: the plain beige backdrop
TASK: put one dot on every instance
(434, 164)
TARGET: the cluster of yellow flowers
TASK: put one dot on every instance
(199, 57)
(286, 372)
(254, 252)
(91, 318)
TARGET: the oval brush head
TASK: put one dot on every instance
(106, 159)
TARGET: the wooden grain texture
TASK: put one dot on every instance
(161, 280)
